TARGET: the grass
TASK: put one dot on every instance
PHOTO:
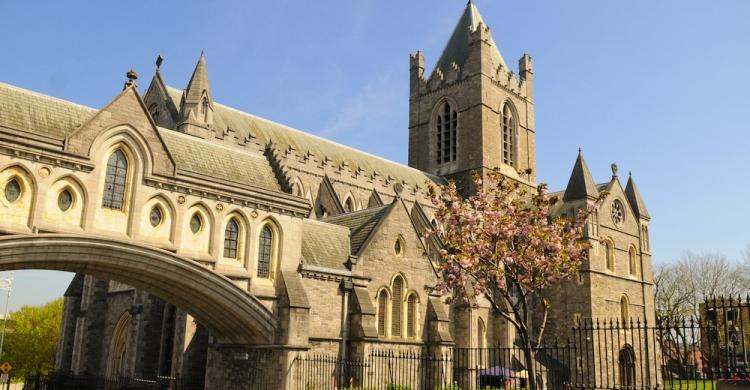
(690, 384)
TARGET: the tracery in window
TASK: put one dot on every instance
(231, 239)
(508, 124)
(446, 125)
(618, 212)
(114, 181)
(265, 243)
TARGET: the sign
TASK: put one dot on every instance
(5, 367)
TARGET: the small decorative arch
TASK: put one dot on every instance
(632, 261)
(348, 204)
(118, 347)
(298, 189)
(67, 202)
(609, 254)
(627, 367)
(268, 249)
(509, 131)
(445, 127)
(383, 297)
(18, 191)
(646, 243)
(197, 229)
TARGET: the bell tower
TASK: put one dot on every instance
(472, 113)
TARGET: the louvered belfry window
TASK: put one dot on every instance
(114, 181)
(264, 252)
(509, 135)
(398, 292)
(231, 235)
(382, 308)
(446, 127)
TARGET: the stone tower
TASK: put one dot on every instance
(472, 113)
(197, 106)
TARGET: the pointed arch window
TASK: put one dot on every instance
(624, 309)
(446, 126)
(382, 312)
(632, 261)
(481, 334)
(508, 124)
(349, 205)
(231, 239)
(264, 252)
(397, 299)
(114, 181)
(411, 316)
(609, 252)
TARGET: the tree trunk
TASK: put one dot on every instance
(530, 356)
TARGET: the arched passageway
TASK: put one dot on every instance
(232, 314)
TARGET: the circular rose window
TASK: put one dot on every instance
(618, 212)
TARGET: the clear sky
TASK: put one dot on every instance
(659, 87)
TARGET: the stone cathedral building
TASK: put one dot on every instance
(197, 230)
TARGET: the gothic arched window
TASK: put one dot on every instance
(411, 316)
(231, 239)
(481, 334)
(609, 252)
(508, 124)
(624, 309)
(265, 245)
(446, 126)
(349, 205)
(114, 181)
(398, 297)
(382, 311)
(632, 261)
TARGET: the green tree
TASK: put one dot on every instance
(31, 338)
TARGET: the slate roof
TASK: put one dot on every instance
(361, 224)
(218, 161)
(581, 183)
(265, 131)
(457, 48)
(24, 110)
(325, 245)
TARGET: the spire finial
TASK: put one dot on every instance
(159, 60)
(579, 150)
(614, 170)
(132, 75)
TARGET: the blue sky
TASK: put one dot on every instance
(659, 87)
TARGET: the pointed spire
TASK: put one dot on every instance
(457, 48)
(198, 84)
(581, 184)
(634, 197)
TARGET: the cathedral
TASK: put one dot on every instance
(201, 230)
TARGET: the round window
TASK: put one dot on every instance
(196, 223)
(12, 190)
(65, 200)
(155, 216)
(618, 212)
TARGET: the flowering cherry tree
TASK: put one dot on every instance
(502, 243)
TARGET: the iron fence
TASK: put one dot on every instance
(685, 353)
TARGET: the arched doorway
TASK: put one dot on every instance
(627, 367)
(118, 347)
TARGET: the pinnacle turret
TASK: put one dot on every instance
(581, 184)
(635, 199)
(197, 106)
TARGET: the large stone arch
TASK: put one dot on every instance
(232, 314)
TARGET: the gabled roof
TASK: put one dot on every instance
(581, 183)
(457, 48)
(266, 131)
(324, 244)
(27, 111)
(635, 200)
(361, 224)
